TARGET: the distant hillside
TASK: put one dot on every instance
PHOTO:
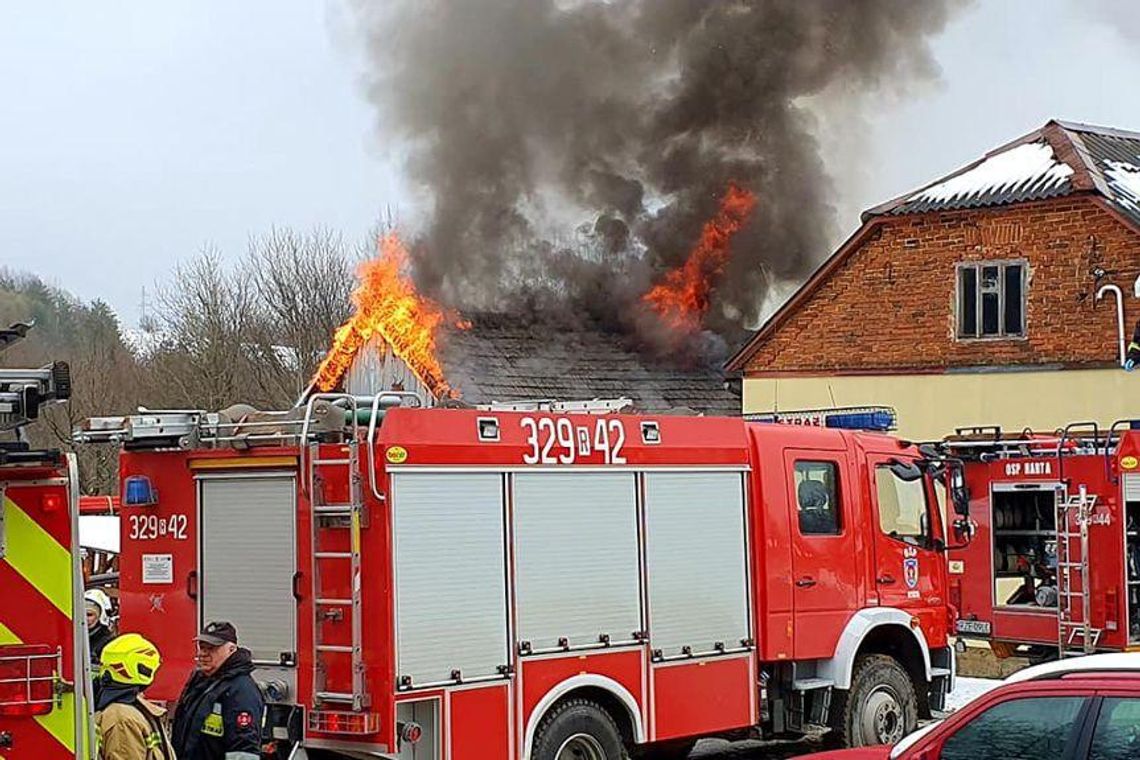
(105, 374)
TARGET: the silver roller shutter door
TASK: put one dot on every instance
(576, 557)
(1132, 487)
(695, 559)
(451, 607)
(248, 560)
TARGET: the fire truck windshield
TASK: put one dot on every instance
(903, 508)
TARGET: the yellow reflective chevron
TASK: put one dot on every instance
(7, 637)
(35, 555)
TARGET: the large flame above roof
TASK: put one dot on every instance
(682, 298)
(388, 306)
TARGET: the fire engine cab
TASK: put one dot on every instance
(539, 581)
(1056, 567)
(45, 682)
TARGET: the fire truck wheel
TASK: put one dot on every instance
(879, 708)
(578, 729)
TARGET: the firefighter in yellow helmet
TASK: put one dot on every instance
(129, 727)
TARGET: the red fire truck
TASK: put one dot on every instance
(539, 581)
(1056, 567)
(45, 683)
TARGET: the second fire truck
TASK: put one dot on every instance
(540, 582)
(1055, 567)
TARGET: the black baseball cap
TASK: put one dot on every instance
(217, 633)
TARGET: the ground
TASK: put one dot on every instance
(713, 749)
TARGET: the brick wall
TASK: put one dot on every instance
(891, 305)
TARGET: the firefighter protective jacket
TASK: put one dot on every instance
(132, 731)
(219, 717)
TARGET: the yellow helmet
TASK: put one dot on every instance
(130, 659)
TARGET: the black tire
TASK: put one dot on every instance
(584, 722)
(880, 707)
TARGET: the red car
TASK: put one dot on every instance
(1078, 709)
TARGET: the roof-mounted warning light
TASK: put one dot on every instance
(870, 418)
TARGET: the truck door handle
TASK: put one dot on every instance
(297, 586)
(192, 584)
(886, 580)
(805, 582)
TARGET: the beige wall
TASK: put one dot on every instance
(931, 406)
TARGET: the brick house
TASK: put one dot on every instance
(973, 300)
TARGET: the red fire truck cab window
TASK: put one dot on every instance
(817, 496)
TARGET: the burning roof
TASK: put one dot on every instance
(510, 357)
(388, 307)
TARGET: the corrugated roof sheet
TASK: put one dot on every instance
(1116, 155)
(1026, 172)
(1059, 159)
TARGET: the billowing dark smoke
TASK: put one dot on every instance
(579, 145)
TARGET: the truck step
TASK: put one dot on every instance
(808, 684)
(939, 672)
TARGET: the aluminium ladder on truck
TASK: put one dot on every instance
(1075, 633)
(325, 418)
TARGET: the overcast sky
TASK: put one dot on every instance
(133, 134)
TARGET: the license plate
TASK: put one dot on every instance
(979, 627)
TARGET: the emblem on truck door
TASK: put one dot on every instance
(396, 454)
(910, 567)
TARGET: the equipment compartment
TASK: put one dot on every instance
(1025, 545)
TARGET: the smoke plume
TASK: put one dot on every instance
(578, 146)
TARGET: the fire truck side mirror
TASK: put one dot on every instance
(959, 492)
(908, 472)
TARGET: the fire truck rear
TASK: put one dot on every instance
(542, 581)
(45, 683)
(1056, 567)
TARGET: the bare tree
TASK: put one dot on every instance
(302, 282)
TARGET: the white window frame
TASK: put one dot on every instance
(977, 266)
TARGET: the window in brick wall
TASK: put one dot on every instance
(991, 299)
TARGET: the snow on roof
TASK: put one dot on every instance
(1124, 178)
(1029, 166)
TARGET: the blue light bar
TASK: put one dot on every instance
(871, 418)
(138, 492)
(880, 419)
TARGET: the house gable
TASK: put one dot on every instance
(1061, 163)
(888, 301)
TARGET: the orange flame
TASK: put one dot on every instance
(682, 299)
(387, 305)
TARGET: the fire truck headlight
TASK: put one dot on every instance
(138, 492)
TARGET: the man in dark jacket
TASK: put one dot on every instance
(219, 714)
